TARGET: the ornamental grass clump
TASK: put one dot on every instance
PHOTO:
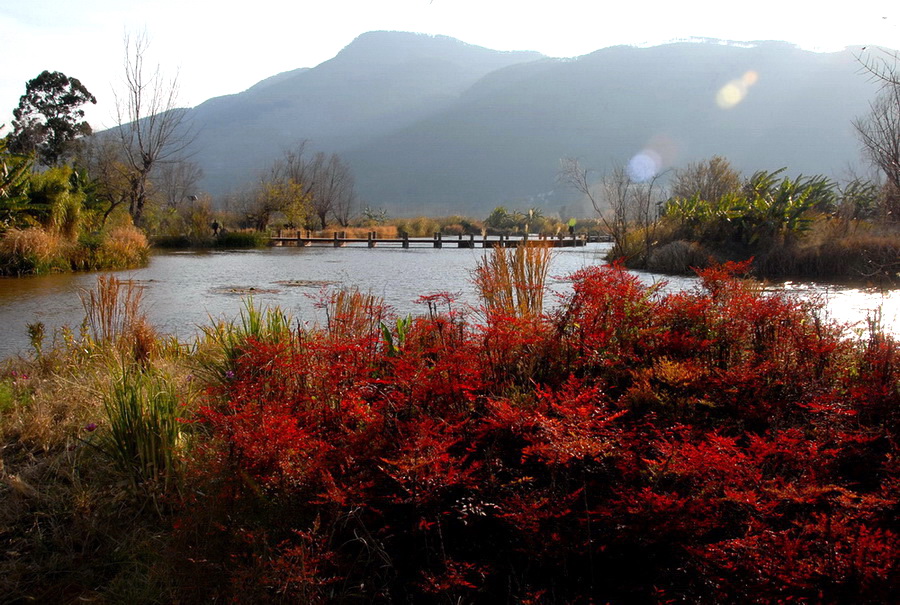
(123, 247)
(143, 430)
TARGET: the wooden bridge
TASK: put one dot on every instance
(339, 239)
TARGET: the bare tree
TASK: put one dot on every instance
(709, 179)
(609, 195)
(104, 159)
(880, 64)
(152, 128)
(621, 203)
(879, 130)
(332, 186)
(346, 204)
(879, 133)
(177, 181)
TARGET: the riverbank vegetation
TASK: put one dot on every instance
(719, 444)
(787, 227)
(51, 221)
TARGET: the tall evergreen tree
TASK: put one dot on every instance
(50, 117)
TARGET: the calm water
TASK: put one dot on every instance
(182, 290)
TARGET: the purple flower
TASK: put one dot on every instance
(229, 374)
(90, 427)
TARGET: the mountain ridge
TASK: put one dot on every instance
(431, 124)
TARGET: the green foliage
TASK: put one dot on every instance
(392, 344)
(765, 210)
(57, 201)
(15, 174)
(144, 428)
(242, 239)
(503, 221)
(858, 200)
(7, 396)
(49, 117)
(229, 340)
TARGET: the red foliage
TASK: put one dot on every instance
(718, 445)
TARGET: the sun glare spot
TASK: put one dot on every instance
(645, 165)
(735, 91)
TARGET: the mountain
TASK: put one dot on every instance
(382, 82)
(430, 124)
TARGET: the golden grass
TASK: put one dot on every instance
(32, 250)
(125, 246)
(37, 251)
(513, 283)
(114, 318)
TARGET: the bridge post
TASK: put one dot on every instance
(405, 239)
(337, 241)
(437, 239)
(371, 239)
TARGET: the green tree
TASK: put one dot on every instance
(50, 118)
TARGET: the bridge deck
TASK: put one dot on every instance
(338, 240)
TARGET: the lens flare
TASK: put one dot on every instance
(735, 91)
(645, 165)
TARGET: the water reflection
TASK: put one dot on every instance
(183, 290)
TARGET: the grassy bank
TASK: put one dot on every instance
(38, 251)
(717, 445)
(803, 227)
(827, 252)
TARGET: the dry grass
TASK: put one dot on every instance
(69, 524)
(679, 257)
(381, 231)
(353, 315)
(125, 246)
(513, 283)
(38, 251)
(33, 250)
(114, 318)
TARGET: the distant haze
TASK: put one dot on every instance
(430, 124)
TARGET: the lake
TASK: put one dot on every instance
(182, 290)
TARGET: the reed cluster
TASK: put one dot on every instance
(513, 283)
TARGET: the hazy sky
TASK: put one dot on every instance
(216, 49)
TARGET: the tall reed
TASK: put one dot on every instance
(114, 317)
(351, 314)
(513, 283)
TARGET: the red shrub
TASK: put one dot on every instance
(721, 444)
